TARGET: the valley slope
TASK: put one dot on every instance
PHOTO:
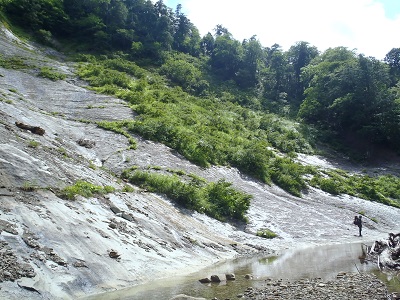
(61, 248)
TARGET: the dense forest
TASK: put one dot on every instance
(338, 90)
(218, 100)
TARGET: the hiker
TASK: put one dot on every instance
(359, 225)
(358, 222)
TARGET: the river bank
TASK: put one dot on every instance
(346, 286)
(256, 273)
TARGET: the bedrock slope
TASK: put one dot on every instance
(53, 248)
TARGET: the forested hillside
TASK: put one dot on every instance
(220, 101)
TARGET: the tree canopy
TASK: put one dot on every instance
(339, 90)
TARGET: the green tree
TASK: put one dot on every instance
(250, 64)
(392, 58)
(275, 77)
(299, 56)
(186, 37)
(227, 54)
(207, 44)
(348, 93)
(181, 72)
(38, 14)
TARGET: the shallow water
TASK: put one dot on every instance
(314, 262)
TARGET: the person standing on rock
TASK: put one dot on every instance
(359, 224)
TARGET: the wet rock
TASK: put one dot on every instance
(205, 280)
(115, 209)
(230, 276)
(86, 143)
(215, 278)
(114, 254)
(10, 266)
(53, 256)
(8, 227)
(248, 276)
(103, 234)
(30, 240)
(127, 217)
(80, 264)
(34, 129)
(28, 284)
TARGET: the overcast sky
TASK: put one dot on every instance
(372, 27)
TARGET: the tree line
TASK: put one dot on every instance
(339, 90)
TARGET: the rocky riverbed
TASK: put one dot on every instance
(346, 286)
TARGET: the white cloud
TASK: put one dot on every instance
(355, 24)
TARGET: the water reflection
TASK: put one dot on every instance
(315, 262)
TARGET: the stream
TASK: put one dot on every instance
(312, 262)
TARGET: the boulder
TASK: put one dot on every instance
(86, 143)
(34, 129)
(205, 280)
(230, 276)
(127, 217)
(113, 254)
(215, 278)
(115, 209)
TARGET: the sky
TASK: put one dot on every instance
(370, 27)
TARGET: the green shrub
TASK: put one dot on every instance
(266, 233)
(181, 73)
(92, 165)
(14, 62)
(33, 144)
(85, 189)
(329, 185)
(128, 189)
(44, 36)
(51, 74)
(289, 175)
(29, 186)
(375, 220)
(125, 66)
(226, 201)
(383, 189)
(218, 200)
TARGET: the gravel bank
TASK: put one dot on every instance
(345, 286)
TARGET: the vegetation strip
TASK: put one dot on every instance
(216, 199)
(219, 101)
